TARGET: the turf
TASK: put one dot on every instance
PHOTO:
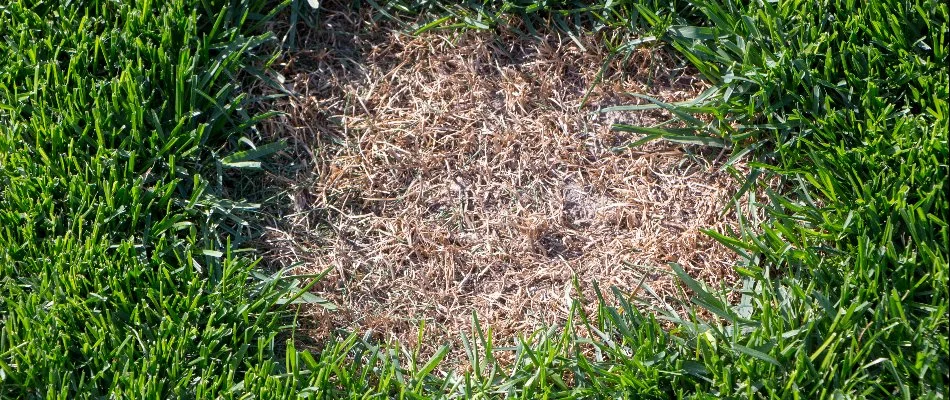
(123, 127)
(118, 267)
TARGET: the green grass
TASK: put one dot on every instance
(117, 277)
(847, 103)
(124, 273)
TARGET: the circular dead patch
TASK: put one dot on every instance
(445, 175)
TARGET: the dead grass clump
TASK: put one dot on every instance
(443, 175)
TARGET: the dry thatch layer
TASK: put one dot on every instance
(443, 175)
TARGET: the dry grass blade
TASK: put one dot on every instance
(444, 174)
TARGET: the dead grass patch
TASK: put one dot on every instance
(448, 174)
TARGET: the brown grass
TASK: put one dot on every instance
(448, 174)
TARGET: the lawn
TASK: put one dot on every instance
(130, 258)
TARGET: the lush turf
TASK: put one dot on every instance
(116, 277)
(122, 124)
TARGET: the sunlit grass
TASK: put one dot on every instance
(121, 272)
(118, 275)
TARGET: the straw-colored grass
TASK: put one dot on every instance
(447, 174)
